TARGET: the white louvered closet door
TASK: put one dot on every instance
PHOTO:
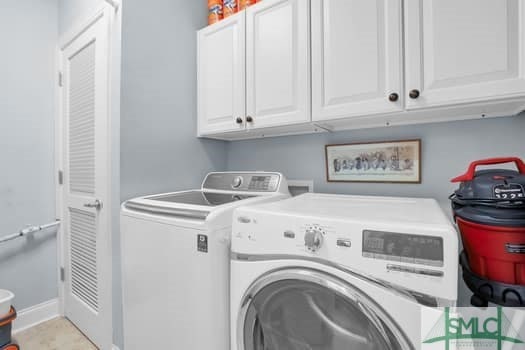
(87, 234)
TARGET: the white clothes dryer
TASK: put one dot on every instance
(334, 272)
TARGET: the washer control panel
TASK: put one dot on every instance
(245, 182)
(261, 183)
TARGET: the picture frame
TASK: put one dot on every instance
(396, 161)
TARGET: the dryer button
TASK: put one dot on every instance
(244, 220)
(289, 234)
(345, 243)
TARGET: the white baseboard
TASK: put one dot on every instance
(35, 315)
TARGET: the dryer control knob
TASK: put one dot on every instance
(313, 240)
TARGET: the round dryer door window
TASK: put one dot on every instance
(314, 311)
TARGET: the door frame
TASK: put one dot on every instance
(112, 17)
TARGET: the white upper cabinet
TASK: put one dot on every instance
(277, 63)
(221, 76)
(357, 66)
(295, 66)
(463, 51)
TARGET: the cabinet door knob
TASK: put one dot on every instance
(393, 97)
(249, 119)
(414, 94)
(238, 120)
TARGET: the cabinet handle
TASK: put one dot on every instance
(393, 97)
(238, 120)
(414, 94)
(249, 119)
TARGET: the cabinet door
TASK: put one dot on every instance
(221, 76)
(277, 63)
(357, 66)
(463, 51)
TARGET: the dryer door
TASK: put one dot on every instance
(298, 309)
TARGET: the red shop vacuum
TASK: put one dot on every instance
(489, 209)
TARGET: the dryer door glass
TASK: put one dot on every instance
(302, 315)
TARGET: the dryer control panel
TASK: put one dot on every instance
(403, 247)
(419, 257)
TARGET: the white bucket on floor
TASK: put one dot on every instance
(6, 297)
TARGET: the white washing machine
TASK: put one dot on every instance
(333, 272)
(176, 259)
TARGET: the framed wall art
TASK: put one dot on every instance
(387, 162)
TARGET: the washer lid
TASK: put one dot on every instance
(219, 195)
(208, 199)
(188, 204)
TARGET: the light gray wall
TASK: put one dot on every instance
(159, 150)
(447, 149)
(73, 10)
(28, 30)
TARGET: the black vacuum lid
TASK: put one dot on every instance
(495, 196)
(493, 184)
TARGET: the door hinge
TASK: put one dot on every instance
(60, 83)
(60, 177)
(62, 274)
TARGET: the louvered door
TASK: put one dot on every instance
(87, 242)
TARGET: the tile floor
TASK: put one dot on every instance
(57, 334)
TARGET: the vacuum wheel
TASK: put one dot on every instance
(11, 347)
(477, 301)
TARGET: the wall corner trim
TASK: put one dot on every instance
(36, 315)
(116, 5)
